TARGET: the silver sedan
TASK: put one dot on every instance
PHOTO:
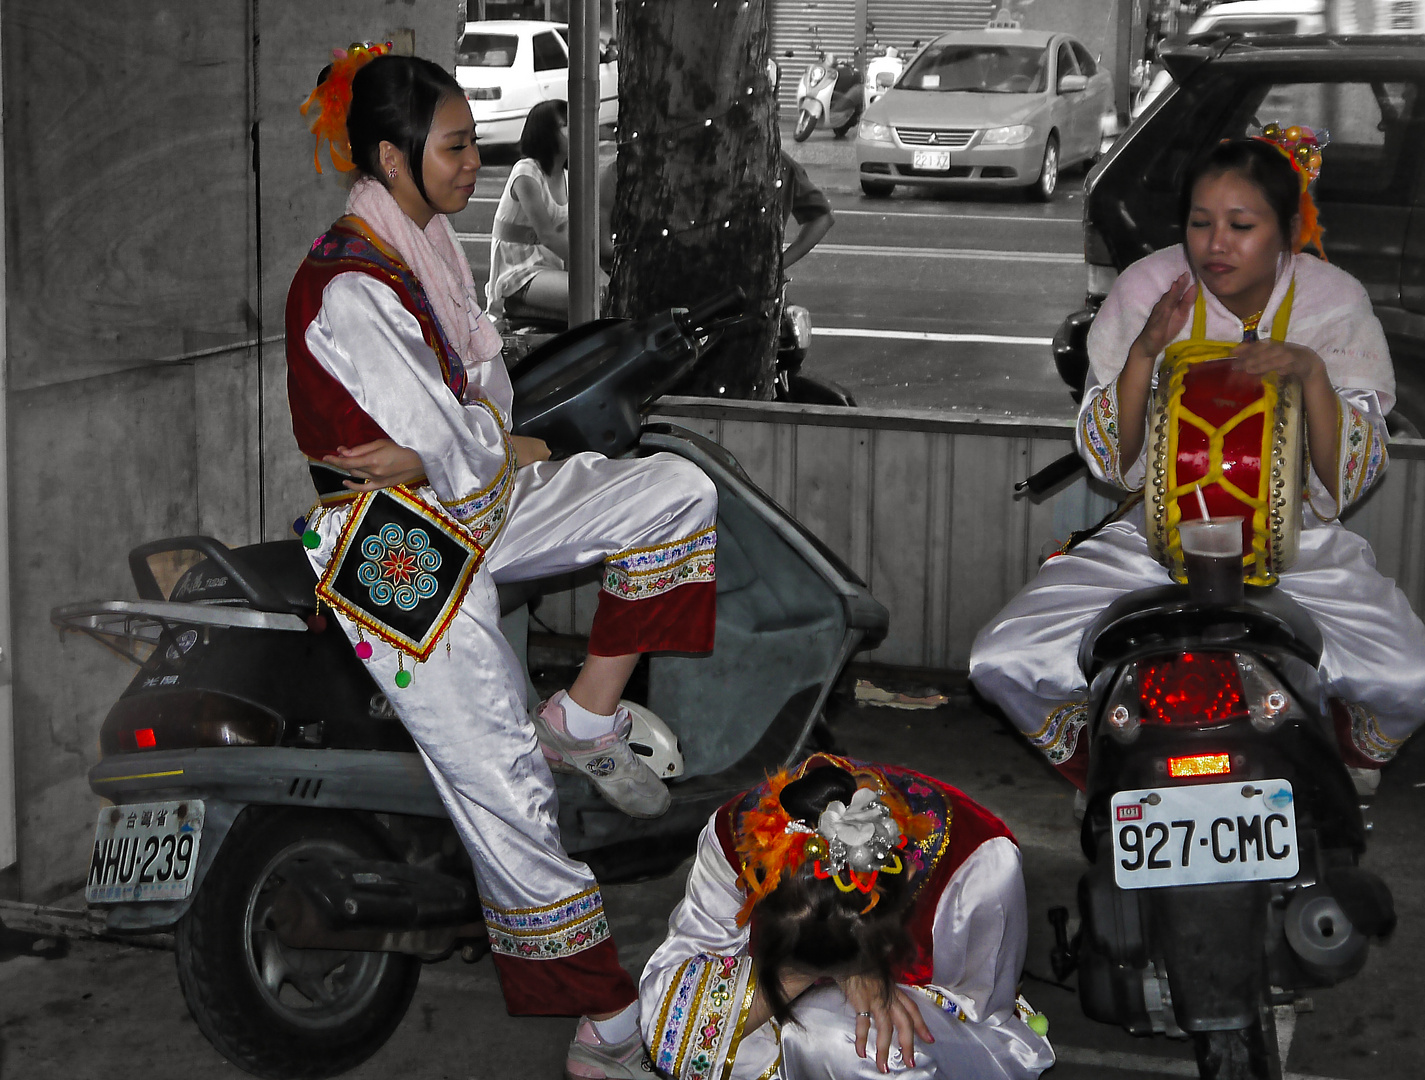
(1006, 108)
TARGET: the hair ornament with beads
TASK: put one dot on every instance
(1302, 146)
(852, 843)
(332, 99)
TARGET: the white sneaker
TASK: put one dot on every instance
(1367, 781)
(619, 774)
(590, 1058)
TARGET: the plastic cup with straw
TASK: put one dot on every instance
(1212, 555)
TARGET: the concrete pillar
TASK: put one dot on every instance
(583, 160)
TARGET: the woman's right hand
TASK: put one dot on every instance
(1166, 320)
(529, 450)
(895, 1015)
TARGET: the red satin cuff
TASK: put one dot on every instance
(680, 620)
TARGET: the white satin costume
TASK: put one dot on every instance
(968, 925)
(367, 359)
(1374, 656)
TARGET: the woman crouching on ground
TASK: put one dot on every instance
(842, 921)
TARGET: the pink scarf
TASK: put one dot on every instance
(439, 264)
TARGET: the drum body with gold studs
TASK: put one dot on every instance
(1237, 437)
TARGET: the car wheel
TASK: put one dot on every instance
(806, 124)
(274, 1010)
(877, 189)
(1043, 189)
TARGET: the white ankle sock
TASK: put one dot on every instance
(583, 724)
(618, 1027)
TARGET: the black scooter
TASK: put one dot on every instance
(1222, 826)
(266, 804)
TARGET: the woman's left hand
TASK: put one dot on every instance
(377, 464)
(894, 1012)
(1283, 357)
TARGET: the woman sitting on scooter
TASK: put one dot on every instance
(401, 403)
(1240, 276)
(842, 905)
(529, 242)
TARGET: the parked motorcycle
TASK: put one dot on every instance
(265, 803)
(829, 91)
(793, 343)
(1222, 826)
(885, 65)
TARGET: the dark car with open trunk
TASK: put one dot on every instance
(1368, 92)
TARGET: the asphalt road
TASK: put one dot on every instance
(920, 301)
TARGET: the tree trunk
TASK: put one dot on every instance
(697, 209)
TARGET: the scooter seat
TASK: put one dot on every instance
(284, 567)
(520, 316)
(1165, 616)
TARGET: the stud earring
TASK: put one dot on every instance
(392, 174)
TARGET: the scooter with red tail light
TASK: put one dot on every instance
(1223, 828)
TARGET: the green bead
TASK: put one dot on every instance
(1039, 1024)
(403, 679)
(311, 540)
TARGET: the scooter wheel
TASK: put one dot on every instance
(806, 124)
(277, 1011)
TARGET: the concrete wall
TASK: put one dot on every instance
(923, 508)
(159, 194)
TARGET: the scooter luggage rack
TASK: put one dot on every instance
(148, 622)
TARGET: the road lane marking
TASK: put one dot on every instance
(964, 254)
(1116, 1059)
(958, 217)
(927, 335)
(968, 254)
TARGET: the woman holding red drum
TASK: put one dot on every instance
(1240, 283)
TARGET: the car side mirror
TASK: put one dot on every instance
(1073, 84)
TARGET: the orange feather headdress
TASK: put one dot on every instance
(1302, 147)
(332, 99)
(772, 845)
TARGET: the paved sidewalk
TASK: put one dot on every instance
(113, 1011)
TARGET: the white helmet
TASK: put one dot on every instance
(652, 741)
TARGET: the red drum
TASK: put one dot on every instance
(1237, 436)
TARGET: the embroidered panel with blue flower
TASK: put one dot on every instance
(1363, 454)
(547, 933)
(642, 573)
(702, 1017)
(400, 570)
(1098, 432)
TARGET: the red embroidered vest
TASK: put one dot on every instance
(324, 414)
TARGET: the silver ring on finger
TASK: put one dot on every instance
(863, 1014)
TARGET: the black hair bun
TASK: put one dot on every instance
(806, 798)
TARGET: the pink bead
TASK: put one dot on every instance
(363, 650)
